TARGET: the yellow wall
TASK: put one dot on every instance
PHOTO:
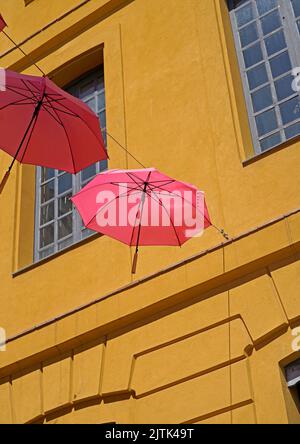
(204, 340)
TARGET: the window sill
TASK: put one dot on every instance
(270, 151)
(55, 255)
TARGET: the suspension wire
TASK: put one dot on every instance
(24, 53)
(126, 150)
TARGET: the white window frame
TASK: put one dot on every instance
(292, 35)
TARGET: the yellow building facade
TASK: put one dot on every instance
(202, 333)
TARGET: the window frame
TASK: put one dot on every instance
(290, 29)
(79, 233)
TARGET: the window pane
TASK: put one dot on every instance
(103, 119)
(45, 253)
(275, 43)
(64, 205)
(88, 173)
(101, 101)
(271, 22)
(266, 5)
(257, 76)
(47, 213)
(87, 89)
(262, 99)
(47, 235)
(103, 165)
(290, 110)
(92, 104)
(266, 122)
(284, 87)
(65, 243)
(244, 15)
(292, 131)
(47, 191)
(270, 142)
(86, 233)
(280, 64)
(65, 226)
(249, 34)
(296, 7)
(64, 183)
(46, 174)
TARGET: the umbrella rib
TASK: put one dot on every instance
(108, 203)
(30, 90)
(172, 222)
(132, 179)
(197, 209)
(53, 117)
(83, 120)
(33, 85)
(11, 88)
(15, 103)
(67, 135)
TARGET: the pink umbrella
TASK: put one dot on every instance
(142, 207)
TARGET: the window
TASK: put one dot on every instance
(57, 223)
(267, 39)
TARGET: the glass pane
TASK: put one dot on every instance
(103, 119)
(275, 43)
(296, 7)
(271, 22)
(47, 191)
(292, 131)
(46, 235)
(92, 104)
(101, 101)
(284, 87)
(290, 110)
(47, 173)
(253, 55)
(244, 15)
(270, 141)
(103, 165)
(266, 122)
(65, 226)
(47, 213)
(64, 183)
(266, 5)
(262, 98)
(257, 76)
(248, 34)
(280, 64)
(45, 253)
(88, 173)
(87, 89)
(86, 233)
(65, 243)
(64, 205)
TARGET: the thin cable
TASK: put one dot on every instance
(24, 53)
(123, 148)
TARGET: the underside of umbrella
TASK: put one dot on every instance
(40, 124)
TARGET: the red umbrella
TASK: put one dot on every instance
(142, 207)
(40, 124)
(2, 23)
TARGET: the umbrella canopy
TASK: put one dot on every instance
(142, 207)
(2, 23)
(40, 124)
